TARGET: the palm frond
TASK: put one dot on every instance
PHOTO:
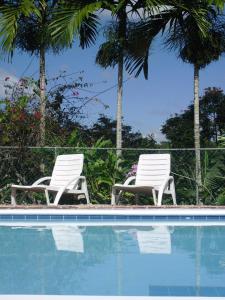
(9, 22)
(88, 30)
(140, 38)
(68, 21)
(108, 54)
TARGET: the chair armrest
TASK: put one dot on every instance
(166, 182)
(41, 180)
(129, 180)
(75, 180)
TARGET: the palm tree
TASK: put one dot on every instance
(33, 36)
(110, 54)
(65, 26)
(27, 26)
(69, 17)
(29, 31)
(196, 29)
(198, 50)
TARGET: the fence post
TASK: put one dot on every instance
(198, 175)
(55, 148)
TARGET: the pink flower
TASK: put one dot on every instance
(75, 93)
(132, 171)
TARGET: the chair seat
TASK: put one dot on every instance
(42, 187)
(133, 188)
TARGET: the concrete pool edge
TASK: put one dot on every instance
(133, 211)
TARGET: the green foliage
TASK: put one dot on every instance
(77, 19)
(193, 46)
(212, 123)
(102, 170)
(105, 128)
(213, 174)
(10, 13)
(19, 120)
(166, 18)
(33, 31)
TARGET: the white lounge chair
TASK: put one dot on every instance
(153, 176)
(155, 241)
(68, 238)
(65, 179)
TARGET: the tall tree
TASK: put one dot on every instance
(195, 28)
(68, 20)
(33, 36)
(199, 50)
(29, 27)
(110, 54)
(26, 24)
(64, 27)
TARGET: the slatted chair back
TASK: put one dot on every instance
(152, 169)
(66, 168)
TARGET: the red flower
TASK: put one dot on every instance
(37, 115)
(22, 116)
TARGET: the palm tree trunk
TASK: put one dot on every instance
(197, 134)
(119, 106)
(122, 36)
(42, 97)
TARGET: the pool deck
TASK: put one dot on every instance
(93, 207)
(111, 207)
(113, 210)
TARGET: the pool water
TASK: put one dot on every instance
(115, 260)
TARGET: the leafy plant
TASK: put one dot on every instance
(103, 169)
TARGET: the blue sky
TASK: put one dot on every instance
(146, 104)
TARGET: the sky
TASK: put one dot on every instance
(146, 103)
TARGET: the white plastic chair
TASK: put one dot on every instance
(155, 241)
(68, 238)
(153, 176)
(65, 179)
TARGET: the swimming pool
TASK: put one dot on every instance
(112, 254)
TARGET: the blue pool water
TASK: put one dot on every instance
(65, 259)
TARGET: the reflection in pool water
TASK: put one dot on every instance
(112, 260)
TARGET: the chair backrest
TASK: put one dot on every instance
(152, 169)
(66, 168)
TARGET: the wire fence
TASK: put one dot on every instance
(102, 169)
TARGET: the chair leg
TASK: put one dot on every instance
(119, 196)
(13, 196)
(86, 193)
(58, 196)
(47, 197)
(173, 192)
(85, 189)
(160, 195)
(154, 196)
